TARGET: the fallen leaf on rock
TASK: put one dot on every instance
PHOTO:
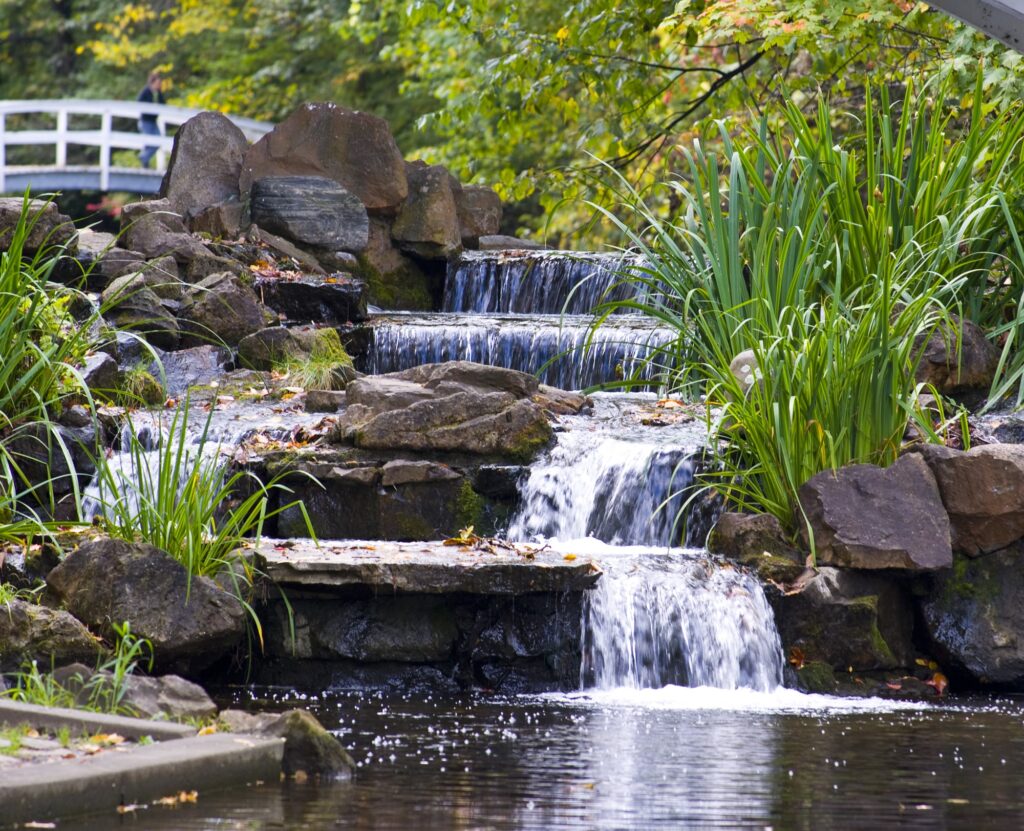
(107, 739)
(939, 681)
(209, 730)
(569, 557)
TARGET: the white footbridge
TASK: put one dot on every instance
(95, 143)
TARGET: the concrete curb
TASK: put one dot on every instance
(82, 721)
(103, 782)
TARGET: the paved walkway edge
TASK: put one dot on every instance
(85, 722)
(103, 782)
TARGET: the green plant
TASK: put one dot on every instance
(184, 498)
(326, 367)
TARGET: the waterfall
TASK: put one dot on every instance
(678, 618)
(553, 347)
(659, 615)
(535, 282)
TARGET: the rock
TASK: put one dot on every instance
(191, 367)
(206, 265)
(938, 365)
(93, 247)
(281, 247)
(745, 370)
(205, 164)
(160, 697)
(395, 281)
(159, 282)
(35, 633)
(222, 220)
(479, 210)
(354, 149)
(154, 228)
(311, 210)
(497, 242)
(428, 223)
(42, 453)
(277, 346)
(221, 308)
(974, 615)
(190, 621)
(143, 312)
(324, 401)
(983, 492)
(458, 406)
(560, 402)
(50, 228)
(757, 541)
(338, 261)
(309, 748)
(326, 300)
(864, 516)
(847, 620)
(117, 262)
(101, 374)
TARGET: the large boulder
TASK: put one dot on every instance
(275, 347)
(308, 747)
(457, 407)
(428, 223)
(974, 615)
(48, 636)
(189, 620)
(49, 227)
(848, 620)
(479, 209)
(159, 697)
(310, 209)
(222, 309)
(354, 149)
(863, 516)
(155, 228)
(983, 491)
(954, 367)
(395, 281)
(205, 164)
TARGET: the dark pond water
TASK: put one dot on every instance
(671, 758)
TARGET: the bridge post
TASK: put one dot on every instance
(62, 138)
(105, 131)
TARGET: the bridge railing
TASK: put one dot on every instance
(106, 138)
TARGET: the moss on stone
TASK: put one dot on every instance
(400, 291)
(817, 676)
(470, 508)
(139, 386)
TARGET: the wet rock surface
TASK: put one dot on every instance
(331, 300)
(310, 209)
(29, 632)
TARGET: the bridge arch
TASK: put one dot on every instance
(101, 134)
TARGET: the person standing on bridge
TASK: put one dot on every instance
(152, 93)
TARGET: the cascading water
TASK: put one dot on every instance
(535, 282)
(554, 348)
(659, 615)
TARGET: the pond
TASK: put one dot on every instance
(638, 759)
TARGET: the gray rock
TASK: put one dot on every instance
(101, 373)
(864, 516)
(93, 247)
(207, 264)
(273, 346)
(51, 228)
(324, 401)
(205, 164)
(983, 491)
(458, 406)
(42, 452)
(310, 209)
(974, 614)
(143, 312)
(326, 300)
(479, 209)
(221, 308)
(757, 541)
(35, 633)
(160, 697)
(190, 621)
(191, 367)
(117, 262)
(154, 228)
(339, 261)
(157, 280)
(354, 149)
(978, 359)
(848, 620)
(498, 242)
(428, 222)
(282, 247)
(222, 220)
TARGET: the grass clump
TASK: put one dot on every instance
(327, 366)
(829, 258)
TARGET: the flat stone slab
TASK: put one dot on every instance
(426, 567)
(86, 721)
(102, 783)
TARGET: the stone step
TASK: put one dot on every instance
(426, 567)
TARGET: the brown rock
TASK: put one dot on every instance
(428, 223)
(978, 359)
(757, 541)
(354, 149)
(395, 281)
(864, 516)
(479, 210)
(983, 491)
(51, 228)
(30, 632)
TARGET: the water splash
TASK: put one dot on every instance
(678, 618)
